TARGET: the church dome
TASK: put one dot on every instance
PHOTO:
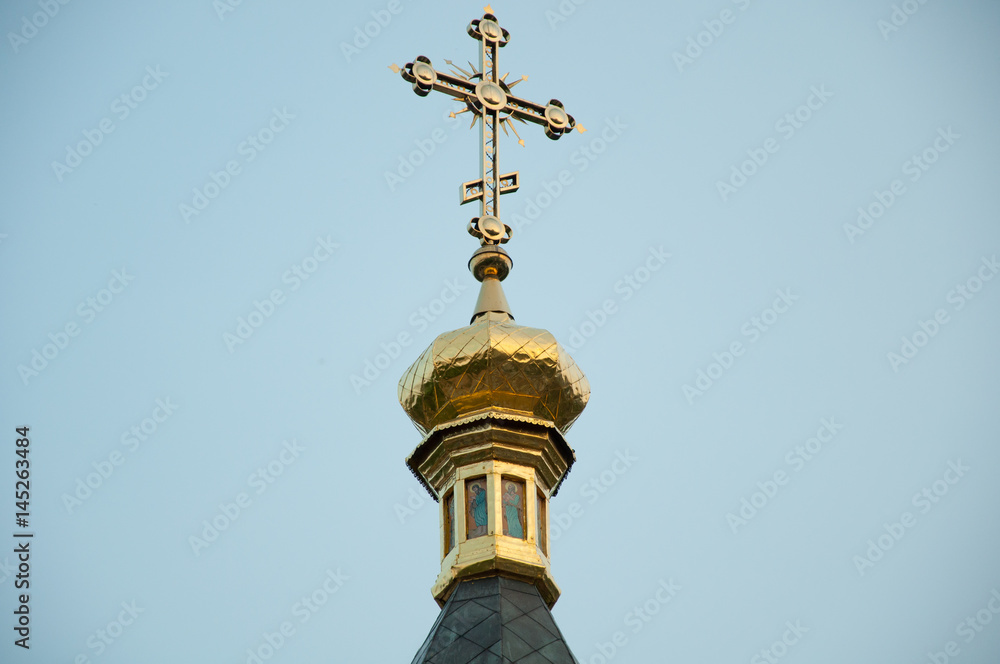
(494, 364)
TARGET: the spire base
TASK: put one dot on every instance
(491, 299)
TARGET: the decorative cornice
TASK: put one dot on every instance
(493, 419)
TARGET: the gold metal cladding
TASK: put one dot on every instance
(492, 436)
(491, 95)
(488, 97)
(484, 556)
(490, 262)
(493, 552)
(494, 363)
(491, 230)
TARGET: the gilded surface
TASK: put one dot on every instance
(494, 363)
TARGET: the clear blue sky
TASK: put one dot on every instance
(172, 168)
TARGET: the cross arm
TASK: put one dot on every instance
(425, 78)
(553, 116)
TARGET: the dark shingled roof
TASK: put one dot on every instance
(495, 621)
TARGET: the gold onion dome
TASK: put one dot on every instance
(493, 365)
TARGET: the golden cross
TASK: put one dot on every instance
(488, 97)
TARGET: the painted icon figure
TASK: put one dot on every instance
(513, 524)
(477, 509)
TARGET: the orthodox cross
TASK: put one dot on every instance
(488, 97)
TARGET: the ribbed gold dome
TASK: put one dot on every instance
(497, 364)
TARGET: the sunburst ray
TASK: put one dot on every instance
(520, 141)
(457, 68)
